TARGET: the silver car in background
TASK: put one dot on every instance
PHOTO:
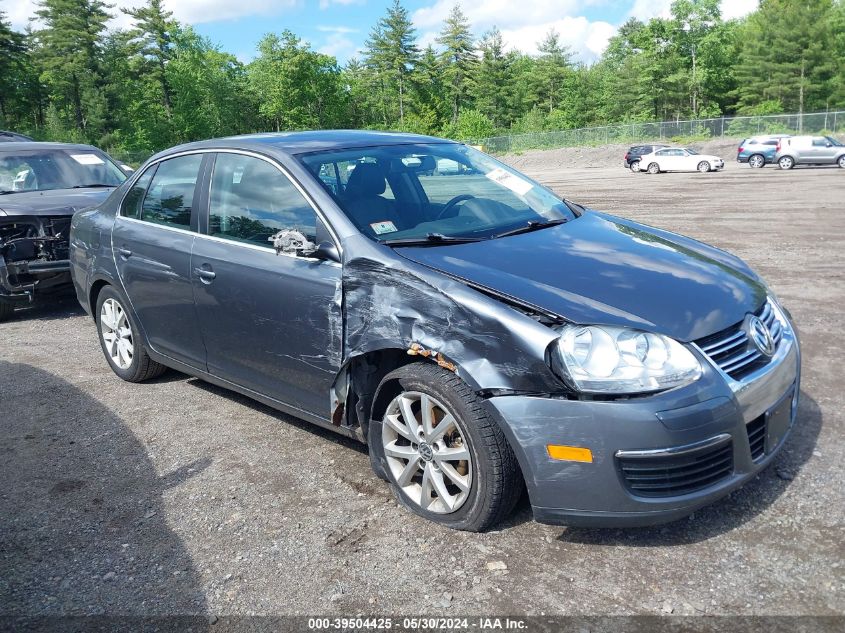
(810, 150)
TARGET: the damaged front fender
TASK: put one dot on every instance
(392, 303)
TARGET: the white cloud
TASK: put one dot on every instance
(189, 11)
(737, 8)
(524, 23)
(340, 46)
(336, 29)
(325, 4)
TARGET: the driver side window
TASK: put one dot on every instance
(251, 201)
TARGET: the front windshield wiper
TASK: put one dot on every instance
(93, 185)
(532, 225)
(431, 239)
(5, 191)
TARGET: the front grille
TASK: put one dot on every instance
(731, 349)
(757, 437)
(672, 475)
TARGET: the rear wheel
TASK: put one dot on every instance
(786, 162)
(120, 340)
(703, 167)
(757, 161)
(6, 310)
(445, 459)
(654, 168)
(635, 166)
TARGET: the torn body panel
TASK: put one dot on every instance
(392, 303)
(33, 254)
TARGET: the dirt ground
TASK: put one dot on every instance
(179, 497)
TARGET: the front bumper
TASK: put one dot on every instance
(713, 410)
(37, 274)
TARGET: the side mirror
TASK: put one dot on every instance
(326, 251)
(828, 144)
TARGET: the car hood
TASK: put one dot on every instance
(606, 270)
(55, 202)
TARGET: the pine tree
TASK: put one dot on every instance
(492, 84)
(551, 70)
(12, 59)
(69, 53)
(392, 52)
(151, 43)
(458, 58)
(787, 55)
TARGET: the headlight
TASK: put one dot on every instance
(607, 359)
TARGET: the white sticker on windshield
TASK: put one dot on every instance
(380, 228)
(88, 159)
(516, 184)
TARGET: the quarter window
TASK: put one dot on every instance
(171, 193)
(132, 202)
(251, 201)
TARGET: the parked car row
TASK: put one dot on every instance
(757, 151)
(480, 334)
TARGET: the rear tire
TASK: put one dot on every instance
(6, 311)
(482, 489)
(120, 339)
(635, 166)
(786, 162)
(758, 161)
(653, 168)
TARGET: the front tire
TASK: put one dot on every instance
(653, 168)
(120, 340)
(841, 161)
(757, 161)
(703, 167)
(786, 162)
(445, 458)
(6, 310)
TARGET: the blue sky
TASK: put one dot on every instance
(340, 27)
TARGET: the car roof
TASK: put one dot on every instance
(35, 145)
(7, 137)
(307, 142)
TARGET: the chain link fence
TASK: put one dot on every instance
(737, 127)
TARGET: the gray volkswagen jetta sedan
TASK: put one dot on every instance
(480, 334)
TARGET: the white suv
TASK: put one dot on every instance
(810, 150)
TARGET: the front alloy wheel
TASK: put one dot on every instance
(654, 168)
(841, 161)
(445, 458)
(704, 167)
(426, 452)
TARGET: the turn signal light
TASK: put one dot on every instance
(570, 453)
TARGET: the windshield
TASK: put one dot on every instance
(833, 141)
(47, 169)
(409, 192)
(691, 152)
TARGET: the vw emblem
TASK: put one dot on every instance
(426, 454)
(760, 336)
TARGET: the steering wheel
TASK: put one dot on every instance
(454, 201)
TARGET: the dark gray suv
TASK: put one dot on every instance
(480, 334)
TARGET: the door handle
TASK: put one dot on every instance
(125, 253)
(206, 276)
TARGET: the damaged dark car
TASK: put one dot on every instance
(483, 336)
(41, 186)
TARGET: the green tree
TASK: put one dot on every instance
(551, 70)
(391, 51)
(69, 53)
(13, 59)
(151, 43)
(492, 83)
(458, 58)
(788, 55)
(296, 87)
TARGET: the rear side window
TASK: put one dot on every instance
(251, 201)
(171, 193)
(132, 202)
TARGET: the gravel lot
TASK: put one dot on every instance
(179, 497)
